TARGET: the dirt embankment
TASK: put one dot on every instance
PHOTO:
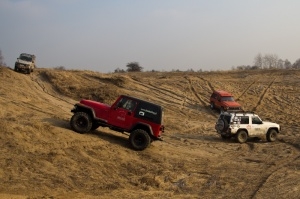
(41, 157)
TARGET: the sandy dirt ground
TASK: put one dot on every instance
(41, 157)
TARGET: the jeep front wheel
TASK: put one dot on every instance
(272, 135)
(81, 122)
(139, 139)
(242, 136)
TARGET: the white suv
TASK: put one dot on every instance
(243, 125)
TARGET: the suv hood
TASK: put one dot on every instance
(95, 104)
(270, 124)
(23, 62)
(231, 104)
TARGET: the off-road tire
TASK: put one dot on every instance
(139, 139)
(241, 136)
(81, 122)
(222, 125)
(272, 135)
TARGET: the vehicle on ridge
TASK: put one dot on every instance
(223, 101)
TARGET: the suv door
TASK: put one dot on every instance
(256, 126)
(122, 114)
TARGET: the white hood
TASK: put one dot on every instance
(23, 62)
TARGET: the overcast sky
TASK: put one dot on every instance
(164, 35)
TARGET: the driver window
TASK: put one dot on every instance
(256, 120)
(127, 104)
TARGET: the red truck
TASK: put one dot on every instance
(141, 119)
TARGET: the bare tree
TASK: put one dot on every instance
(258, 60)
(287, 64)
(270, 61)
(1, 59)
(134, 67)
(297, 64)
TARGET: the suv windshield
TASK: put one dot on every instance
(26, 58)
(228, 98)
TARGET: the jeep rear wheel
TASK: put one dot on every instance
(242, 136)
(139, 139)
(81, 122)
(272, 135)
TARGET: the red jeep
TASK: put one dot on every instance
(143, 120)
(223, 101)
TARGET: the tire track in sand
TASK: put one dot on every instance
(262, 96)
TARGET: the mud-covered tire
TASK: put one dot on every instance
(81, 122)
(139, 139)
(272, 135)
(241, 136)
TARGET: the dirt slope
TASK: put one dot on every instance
(41, 157)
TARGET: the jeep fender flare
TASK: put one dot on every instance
(83, 108)
(144, 126)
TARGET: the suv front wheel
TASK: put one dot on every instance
(272, 135)
(139, 139)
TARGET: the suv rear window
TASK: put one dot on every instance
(148, 111)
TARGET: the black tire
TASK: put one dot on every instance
(139, 139)
(226, 137)
(272, 135)
(81, 122)
(222, 125)
(16, 68)
(242, 136)
(212, 106)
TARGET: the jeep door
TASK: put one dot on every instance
(121, 114)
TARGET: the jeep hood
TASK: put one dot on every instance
(231, 104)
(95, 104)
(23, 62)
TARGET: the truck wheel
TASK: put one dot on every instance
(272, 135)
(242, 136)
(81, 122)
(139, 139)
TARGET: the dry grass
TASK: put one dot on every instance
(42, 158)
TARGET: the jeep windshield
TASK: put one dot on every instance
(227, 99)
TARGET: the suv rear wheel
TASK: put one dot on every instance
(81, 122)
(139, 139)
(242, 136)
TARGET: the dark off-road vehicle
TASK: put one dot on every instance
(141, 119)
(25, 63)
